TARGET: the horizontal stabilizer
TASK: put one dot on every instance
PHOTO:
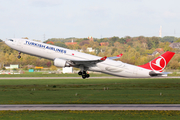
(156, 73)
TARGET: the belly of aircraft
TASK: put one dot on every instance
(125, 71)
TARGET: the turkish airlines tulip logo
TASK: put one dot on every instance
(159, 64)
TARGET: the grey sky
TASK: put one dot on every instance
(83, 18)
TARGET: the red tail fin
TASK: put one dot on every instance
(159, 63)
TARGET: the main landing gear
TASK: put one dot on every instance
(19, 56)
(84, 74)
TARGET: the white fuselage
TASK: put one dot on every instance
(108, 66)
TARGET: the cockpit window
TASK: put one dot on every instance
(10, 40)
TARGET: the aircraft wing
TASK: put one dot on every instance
(86, 62)
(115, 57)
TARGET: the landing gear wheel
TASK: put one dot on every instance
(19, 57)
(79, 73)
(87, 75)
(83, 76)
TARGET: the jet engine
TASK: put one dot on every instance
(61, 63)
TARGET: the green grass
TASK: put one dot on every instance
(90, 115)
(135, 91)
(42, 74)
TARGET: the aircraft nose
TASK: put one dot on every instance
(8, 41)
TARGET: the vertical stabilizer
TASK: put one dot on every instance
(159, 63)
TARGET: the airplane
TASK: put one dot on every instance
(64, 57)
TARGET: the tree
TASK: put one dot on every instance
(117, 44)
(174, 65)
(53, 68)
(84, 42)
(166, 46)
(60, 44)
(169, 39)
(149, 43)
(122, 40)
(155, 42)
(48, 64)
(177, 41)
(113, 40)
(113, 50)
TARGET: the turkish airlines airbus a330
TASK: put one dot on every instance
(66, 58)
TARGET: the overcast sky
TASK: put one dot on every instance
(83, 18)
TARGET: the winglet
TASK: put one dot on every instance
(119, 55)
(103, 58)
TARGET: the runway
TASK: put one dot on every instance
(104, 77)
(92, 107)
(20, 78)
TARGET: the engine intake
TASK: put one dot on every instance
(61, 63)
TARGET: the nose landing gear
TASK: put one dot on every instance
(19, 56)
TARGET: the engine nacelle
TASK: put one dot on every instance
(61, 63)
